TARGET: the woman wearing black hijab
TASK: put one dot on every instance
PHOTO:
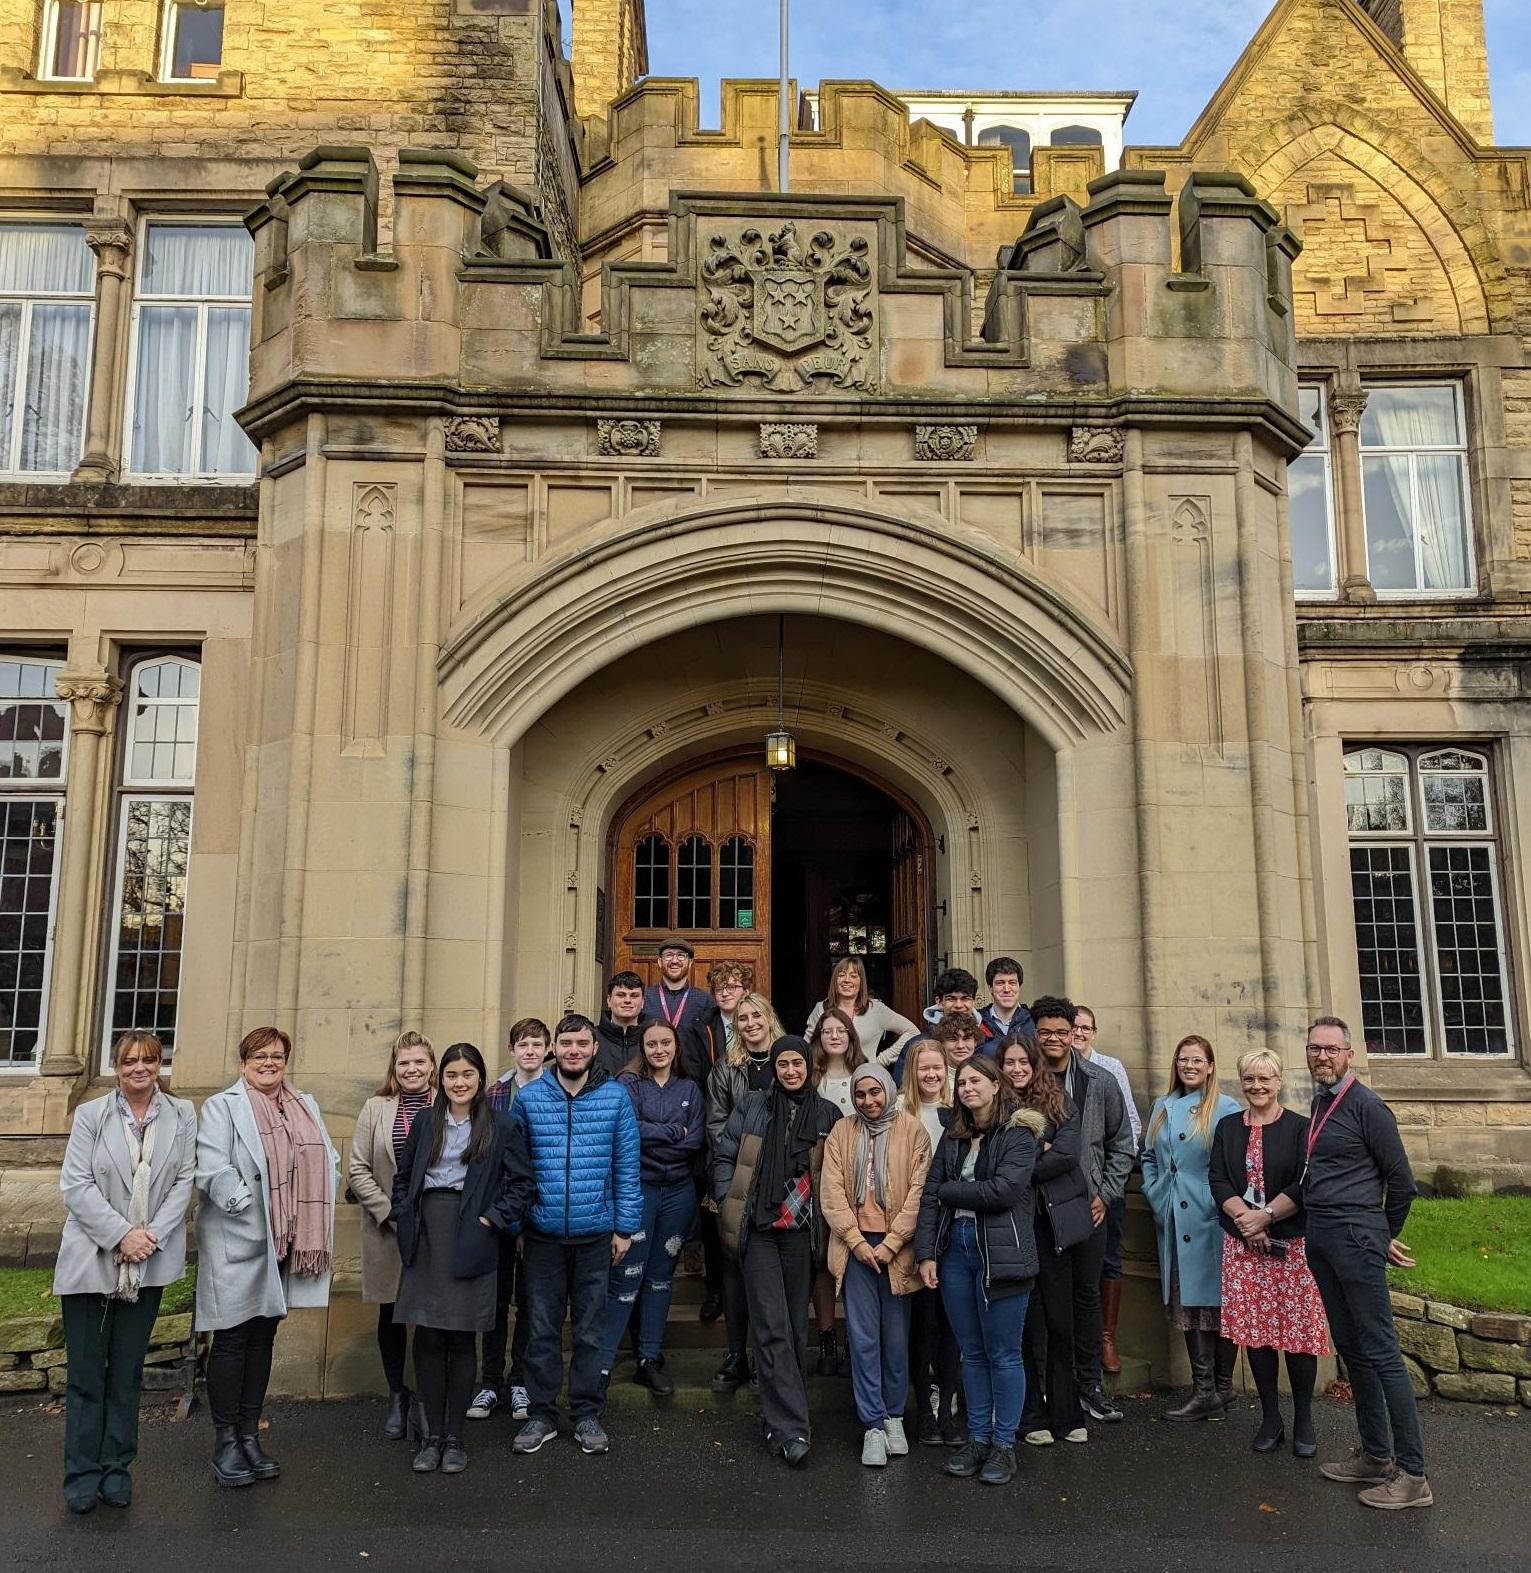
(766, 1181)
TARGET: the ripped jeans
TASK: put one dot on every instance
(645, 1277)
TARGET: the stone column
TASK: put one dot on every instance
(1346, 406)
(92, 697)
(112, 242)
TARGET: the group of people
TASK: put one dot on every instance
(958, 1184)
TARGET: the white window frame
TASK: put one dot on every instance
(1419, 838)
(48, 46)
(131, 698)
(1459, 450)
(167, 40)
(54, 790)
(10, 462)
(1323, 448)
(203, 303)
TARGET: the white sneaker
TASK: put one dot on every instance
(520, 1404)
(1078, 1434)
(874, 1446)
(485, 1401)
(893, 1429)
(1039, 1439)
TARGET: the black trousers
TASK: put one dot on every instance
(565, 1276)
(445, 1363)
(1085, 1262)
(714, 1257)
(935, 1361)
(106, 1341)
(393, 1346)
(1052, 1397)
(778, 1276)
(510, 1288)
(238, 1371)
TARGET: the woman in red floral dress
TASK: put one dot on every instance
(1271, 1304)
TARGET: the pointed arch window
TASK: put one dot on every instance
(693, 883)
(736, 883)
(651, 883)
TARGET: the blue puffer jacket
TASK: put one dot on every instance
(584, 1155)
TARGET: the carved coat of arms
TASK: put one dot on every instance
(787, 313)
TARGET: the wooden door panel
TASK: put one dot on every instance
(715, 802)
(906, 933)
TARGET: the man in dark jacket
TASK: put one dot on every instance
(584, 1144)
(693, 1012)
(1106, 1151)
(1004, 1013)
(1357, 1191)
(617, 1031)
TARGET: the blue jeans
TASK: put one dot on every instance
(989, 1334)
(645, 1277)
(1349, 1263)
(877, 1330)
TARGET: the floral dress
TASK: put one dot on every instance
(1270, 1302)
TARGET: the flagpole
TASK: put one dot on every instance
(784, 112)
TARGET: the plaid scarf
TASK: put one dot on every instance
(297, 1170)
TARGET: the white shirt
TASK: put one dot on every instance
(1118, 1072)
(450, 1170)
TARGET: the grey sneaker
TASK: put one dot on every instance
(532, 1435)
(898, 1443)
(1399, 1490)
(485, 1402)
(520, 1403)
(590, 1436)
(874, 1446)
(1358, 1468)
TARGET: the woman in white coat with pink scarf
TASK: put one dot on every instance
(266, 1173)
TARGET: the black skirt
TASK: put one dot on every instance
(429, 1296)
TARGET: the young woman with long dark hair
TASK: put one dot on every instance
(850, 992)
(464, 1175)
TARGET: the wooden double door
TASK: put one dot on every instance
(693, 854)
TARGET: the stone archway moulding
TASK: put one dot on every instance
(618, 586)
(667, 735)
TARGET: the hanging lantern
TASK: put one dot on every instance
(781, 750)
(781, 746)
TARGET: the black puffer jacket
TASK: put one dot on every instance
(1062, 1193)
(999, 1193)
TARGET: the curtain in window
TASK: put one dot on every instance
(198, 259)
(225, 448)
(1426, 417)
(53, 403)
(162, 424)
(45, 259)
(10, 348)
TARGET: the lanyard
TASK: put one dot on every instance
(1316, 1127)
(680, 1010)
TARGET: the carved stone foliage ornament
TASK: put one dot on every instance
(789, 440)
(944, 443)
(628, 439)
(1346, 409)
(785, 311)
(473, 433)
(1096, 445)
(91, 697)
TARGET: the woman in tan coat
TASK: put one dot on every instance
(382, 1128)
(874, 1176)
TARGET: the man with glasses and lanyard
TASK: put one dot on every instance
(1357, 1190)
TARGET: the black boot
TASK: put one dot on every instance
(230, 1466)
(1224, 1358)
(732, 1374)
(1203, 1404)
(395, 1424)
(829, 1354)
(650, 1376)
(263, 1466)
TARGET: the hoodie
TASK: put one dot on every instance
(615, 1046)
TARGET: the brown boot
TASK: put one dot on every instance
(1110, 1308)
(1358, 1467)
(1399, 1490)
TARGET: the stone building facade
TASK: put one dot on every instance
(1139, 560)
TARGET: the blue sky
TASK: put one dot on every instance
(1174, 54)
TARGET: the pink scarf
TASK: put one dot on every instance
(297, 1171)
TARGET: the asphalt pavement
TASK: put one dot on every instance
(690, 1487)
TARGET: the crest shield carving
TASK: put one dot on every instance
(786, 313)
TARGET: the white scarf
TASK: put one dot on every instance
(130, 1275)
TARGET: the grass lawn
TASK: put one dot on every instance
(28, 1291)
(1474, 1252)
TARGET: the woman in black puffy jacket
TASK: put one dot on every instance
(1062, 1222)
(976, 1243)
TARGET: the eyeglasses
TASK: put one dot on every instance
(268, 1059)
(1055, 1034)
(1325, 1051)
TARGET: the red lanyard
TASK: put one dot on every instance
(680, 1010)
(1316, 1128)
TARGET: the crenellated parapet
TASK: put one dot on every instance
(805, 297)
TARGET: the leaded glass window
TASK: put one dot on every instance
(736, 884)
(693, 884)
(651, 883)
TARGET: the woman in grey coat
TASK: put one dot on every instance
(266, 1172)
(126, 1180)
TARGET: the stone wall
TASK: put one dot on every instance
(33, 1358)
(1480, 1356)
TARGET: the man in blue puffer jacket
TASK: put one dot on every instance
(584, 1143)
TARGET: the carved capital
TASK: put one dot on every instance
(473, 434)
(789, 440)
(1096, 445)
(1346, 409)
(112, 242)
(943, 444)
(91, 697)
(628, 439)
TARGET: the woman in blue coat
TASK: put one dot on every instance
(1177, 1150)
